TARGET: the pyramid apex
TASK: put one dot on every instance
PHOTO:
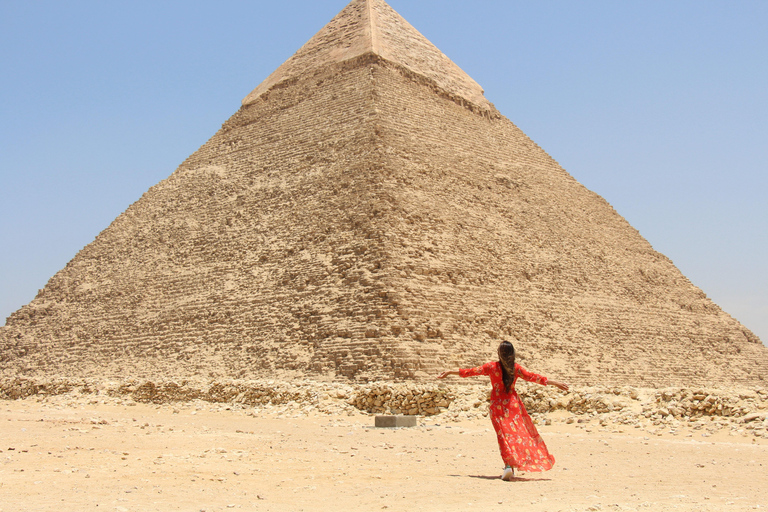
(372, 26)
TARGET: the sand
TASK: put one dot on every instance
(72, 455)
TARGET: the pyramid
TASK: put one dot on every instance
(368, 214)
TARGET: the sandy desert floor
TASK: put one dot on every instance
(75, 456)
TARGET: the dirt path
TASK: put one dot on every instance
(81, 456)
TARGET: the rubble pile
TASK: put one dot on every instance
(744, 411)
(423, 400)
(687, 403)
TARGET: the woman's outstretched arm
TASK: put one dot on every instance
(539, 379)
(485, 369)
(558, 384)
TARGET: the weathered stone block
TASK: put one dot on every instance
(395, 421)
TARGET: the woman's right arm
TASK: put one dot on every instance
(469, 372)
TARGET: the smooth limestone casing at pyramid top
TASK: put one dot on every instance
(367, 214)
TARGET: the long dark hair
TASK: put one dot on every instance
(507, 361)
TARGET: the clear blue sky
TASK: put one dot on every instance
(661, 107)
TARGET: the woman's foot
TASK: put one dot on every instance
(508, 474)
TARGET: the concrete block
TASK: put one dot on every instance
(395, 421)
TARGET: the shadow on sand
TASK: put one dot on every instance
(497, 477)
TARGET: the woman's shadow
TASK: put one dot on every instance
(514, 478)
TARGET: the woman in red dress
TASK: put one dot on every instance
(521, 445)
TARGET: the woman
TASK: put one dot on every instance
(520, 443)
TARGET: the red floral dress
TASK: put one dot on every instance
(520, 443)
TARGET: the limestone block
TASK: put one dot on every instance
(395, 421)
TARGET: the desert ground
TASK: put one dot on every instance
(65, 453)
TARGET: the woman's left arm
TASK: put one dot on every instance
(539, 379)
(558, 384)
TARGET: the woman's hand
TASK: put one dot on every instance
(447, 373)
(559, 385)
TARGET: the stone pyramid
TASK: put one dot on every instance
(368, 214)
